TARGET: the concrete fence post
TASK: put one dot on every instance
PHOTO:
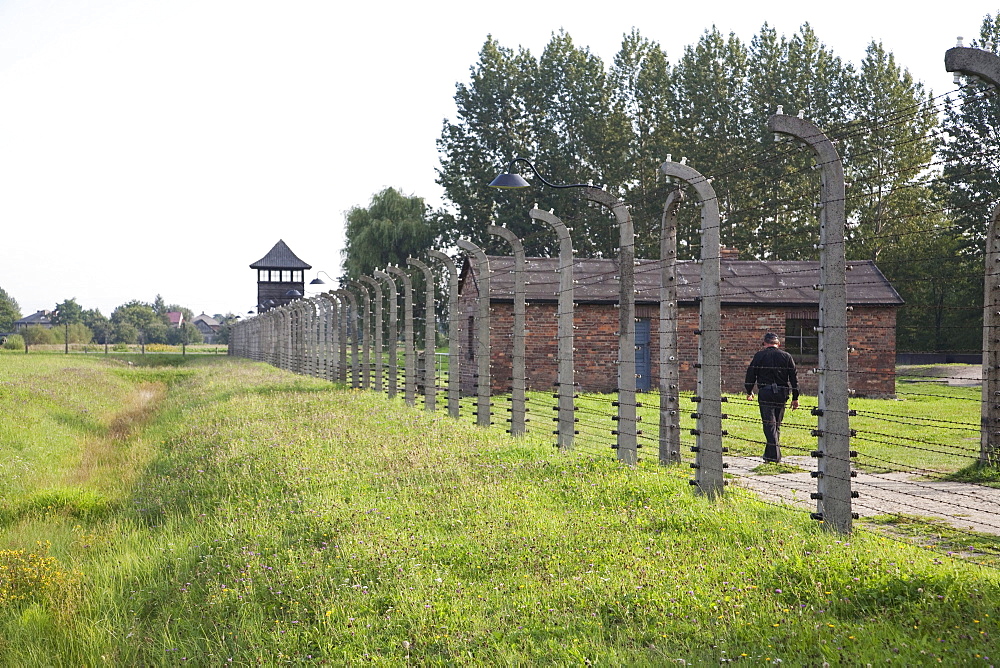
(518, 411)
(627, 431)
(393, 342)
(430, 334)
(833, 433)
(985, 65)
(669, 376)
(343, 322)
(708, 432)
(378, 350)
(565, 380)
(325, 339)
(352, 333)
(454, 353)
(409, 353)
(366, 337)
(482, 274)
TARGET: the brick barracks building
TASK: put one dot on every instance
(757, 297)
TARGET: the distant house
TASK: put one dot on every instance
(175, 319)
(757, 297)
(208, 326)
(40, 318)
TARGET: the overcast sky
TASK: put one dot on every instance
(160, 147)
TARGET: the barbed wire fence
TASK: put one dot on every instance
(512, 359)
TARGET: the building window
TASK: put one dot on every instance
(801, 338)
(275, 276)
(263, 275)
(296, 277)
(286, 276)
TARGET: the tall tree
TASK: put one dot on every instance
(392, 227)
(97, 323)
(66, 314)
(136, 319)
(888, 149)
(10, 312)
(494, 125)
(641, 90)
(971, 151)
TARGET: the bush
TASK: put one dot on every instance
(36, 335)
(14, 342)
(120, 348)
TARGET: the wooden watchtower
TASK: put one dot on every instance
(278, 272)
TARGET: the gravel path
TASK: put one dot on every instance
(964, 506)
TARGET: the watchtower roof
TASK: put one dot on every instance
(280, 257)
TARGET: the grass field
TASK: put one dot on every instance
(201, 510)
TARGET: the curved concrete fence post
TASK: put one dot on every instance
(454, 386)
(409, 354)
(393, 342)
(483, 384)
(627, 431)
(339, 342)
(985, 65)
(325, 316)
(708, 432)
(565, 380)
(989, 436)
(518, 410)
(377, 347)
(315, 337)
(351, 313)
(670, 375)
(286, 337)
(430, 334)
(343, 317)
(366, 336)
(833, 433)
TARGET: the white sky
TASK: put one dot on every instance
(162, 146)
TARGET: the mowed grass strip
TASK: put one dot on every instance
(277, 519)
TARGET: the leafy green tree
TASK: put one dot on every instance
(391, 228)
(99, 325)
(66, 314)
(494, 125)
(887, 148)
(10, 312)
(642, 94)
(160, 307)
(136, 319)
(972, 147)
(187, 333)
(37, 335)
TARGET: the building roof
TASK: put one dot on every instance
(175, 318)
(207, 319)
(36, 318)
(280, 257)
(743, 281)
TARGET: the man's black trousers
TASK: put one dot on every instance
(771, 400)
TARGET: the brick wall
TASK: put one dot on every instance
(871, 337)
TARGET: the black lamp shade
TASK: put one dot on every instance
(509, 181)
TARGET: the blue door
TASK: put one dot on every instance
(643, 360)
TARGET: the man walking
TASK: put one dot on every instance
(772, 370)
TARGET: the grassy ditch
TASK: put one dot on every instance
(252, 515)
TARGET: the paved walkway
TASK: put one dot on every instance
(964, 506)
